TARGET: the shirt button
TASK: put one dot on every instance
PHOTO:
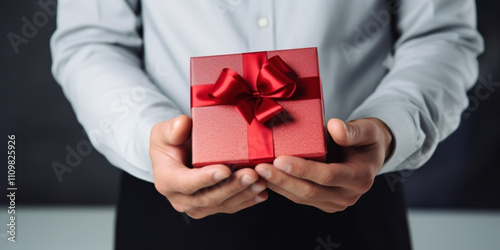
(263, 22)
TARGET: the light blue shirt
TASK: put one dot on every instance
(124, 65)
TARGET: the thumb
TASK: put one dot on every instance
(355, 133)
(175, 131)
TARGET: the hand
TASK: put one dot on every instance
(198, 191)
(365, 144)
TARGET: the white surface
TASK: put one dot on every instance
(455, 230)
(60, 228)
(85, 228)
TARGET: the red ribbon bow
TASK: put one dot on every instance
(274, 81)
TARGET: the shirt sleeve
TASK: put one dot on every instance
(424, 93)
(96, 52)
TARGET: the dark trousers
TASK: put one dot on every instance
(146, 220)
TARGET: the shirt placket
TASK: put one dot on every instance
(262, 25)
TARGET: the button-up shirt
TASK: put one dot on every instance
(124, 64)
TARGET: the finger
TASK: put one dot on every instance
(260, 197)
(214, 196)
(356, 133)
(179, 178)
(198, 213)
(333, 174)
(334, 205)
(169, 137)
(304, 189)
(249, 193)
(175, 131)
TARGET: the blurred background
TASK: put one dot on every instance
(460, 182)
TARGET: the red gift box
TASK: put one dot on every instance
(253, 107)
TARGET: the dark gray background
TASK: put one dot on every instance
(463, 173)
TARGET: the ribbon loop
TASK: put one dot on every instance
(266, 108)
(274, 83)
(230, 88)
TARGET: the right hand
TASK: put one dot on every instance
(198, 192)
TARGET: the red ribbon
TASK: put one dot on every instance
(254, 96)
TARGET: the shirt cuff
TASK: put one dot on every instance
(406, 137)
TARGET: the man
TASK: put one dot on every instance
(389, 100)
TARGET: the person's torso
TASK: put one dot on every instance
(353, 38)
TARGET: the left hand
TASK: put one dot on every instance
(332, 187)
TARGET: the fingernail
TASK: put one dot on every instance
(175, 123)
(247, 180)
(256, 188)
(219, 176)
(259, 199)
(264, 172)
(283, 166)
(345, 126)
